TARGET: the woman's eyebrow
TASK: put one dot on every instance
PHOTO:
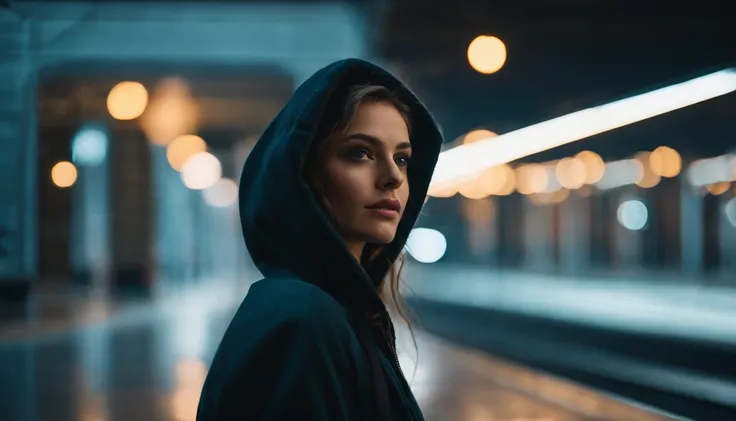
(376, 141)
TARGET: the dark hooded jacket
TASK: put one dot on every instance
(313, 340)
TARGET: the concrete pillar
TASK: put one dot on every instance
(202, 236)
(18, 157)
(692, 241)
(90, 239)
(537, 229)
(226, 235)
(574, 251)
(480, 217)
(131, 211)
(173, 222)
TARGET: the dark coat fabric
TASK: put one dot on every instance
(313, 340)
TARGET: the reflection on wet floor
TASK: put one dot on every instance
(149, 363)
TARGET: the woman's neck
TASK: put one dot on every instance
(356, 249)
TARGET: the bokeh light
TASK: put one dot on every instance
(473, 190)
(531, 178)
(594, 166)
(486, 54)
(426, 245)
(482, 185)
(64, 174)
(717, 189)
(445, 192)
(172, 112)
(89, 146)
(549, 198)
(633, 215)
(201, 170)
(183, 148)
(477, 135)
(665, 162)
(222, 194)
(649, 178)
(127, 100)
(496, 180)
(499, 181)
(509, 177)
(571, 173)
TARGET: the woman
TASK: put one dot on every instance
(328, 197)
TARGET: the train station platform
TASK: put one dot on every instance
(668, 342)
(86, 357)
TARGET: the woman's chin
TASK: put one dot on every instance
(382, 238)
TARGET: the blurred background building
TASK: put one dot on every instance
(607, 258)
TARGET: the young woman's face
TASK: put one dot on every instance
(364, 178)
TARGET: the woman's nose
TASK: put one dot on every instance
(391, 176)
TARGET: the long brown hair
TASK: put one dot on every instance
(389, 288)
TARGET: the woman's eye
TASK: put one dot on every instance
(403, 160)
(358, 154)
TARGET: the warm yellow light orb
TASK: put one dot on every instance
(127, 100)
(486, 54)
(182, 148)
(64, 174)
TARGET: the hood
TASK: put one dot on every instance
(283, 223)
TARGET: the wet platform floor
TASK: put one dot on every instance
(147, 361)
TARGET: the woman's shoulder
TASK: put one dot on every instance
(279, 314)
(291, 300)
(286, 334)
